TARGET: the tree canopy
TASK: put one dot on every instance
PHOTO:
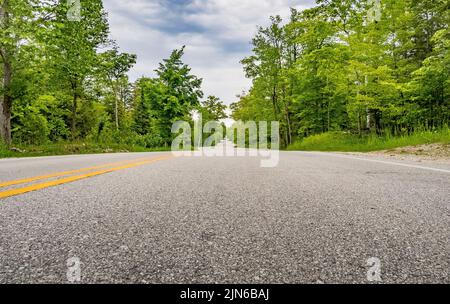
(65, 79)
(342, 66)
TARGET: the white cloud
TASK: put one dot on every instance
(217, 35)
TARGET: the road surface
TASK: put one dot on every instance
(154, 218)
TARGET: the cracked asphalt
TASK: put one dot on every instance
(315, 218)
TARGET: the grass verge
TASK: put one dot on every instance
(71, 148)
(346, 142)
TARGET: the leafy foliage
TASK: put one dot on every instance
(66, 81)
(325, 70)
(330, 68)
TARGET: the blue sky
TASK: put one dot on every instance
(217, 35)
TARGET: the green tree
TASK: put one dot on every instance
(334, 68)
(184, 87)
(214, 109)
(178, 93)
(114, 66)
(72, 49)
(18, 24)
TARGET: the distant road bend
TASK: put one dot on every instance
(156, 218)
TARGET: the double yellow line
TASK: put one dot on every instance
(108, 168)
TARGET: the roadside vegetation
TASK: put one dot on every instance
(64, 87)
(71, 148)
(347, 142)
(353, 75)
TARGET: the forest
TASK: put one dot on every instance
(362, 67)
(66, 82)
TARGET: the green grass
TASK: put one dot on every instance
(346, 142)
(71, 148)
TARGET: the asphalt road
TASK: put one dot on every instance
(314, 218)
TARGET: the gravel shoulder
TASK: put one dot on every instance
(436, 153)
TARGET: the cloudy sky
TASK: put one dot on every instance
(217, 35)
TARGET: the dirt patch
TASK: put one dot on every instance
(435, 152)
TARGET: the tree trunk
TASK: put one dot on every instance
(116, 112)
(329, 115)
(116, 103)
(74, 115)
(286, 116)
(328, 108)
(5, 100)
(6, 104)
(288, 121)
(274, 102)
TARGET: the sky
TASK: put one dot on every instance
(217, 35)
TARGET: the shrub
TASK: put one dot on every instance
(33, 130)
(149, 141)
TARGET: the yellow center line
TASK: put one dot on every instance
(58, 174)
(31, 188)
